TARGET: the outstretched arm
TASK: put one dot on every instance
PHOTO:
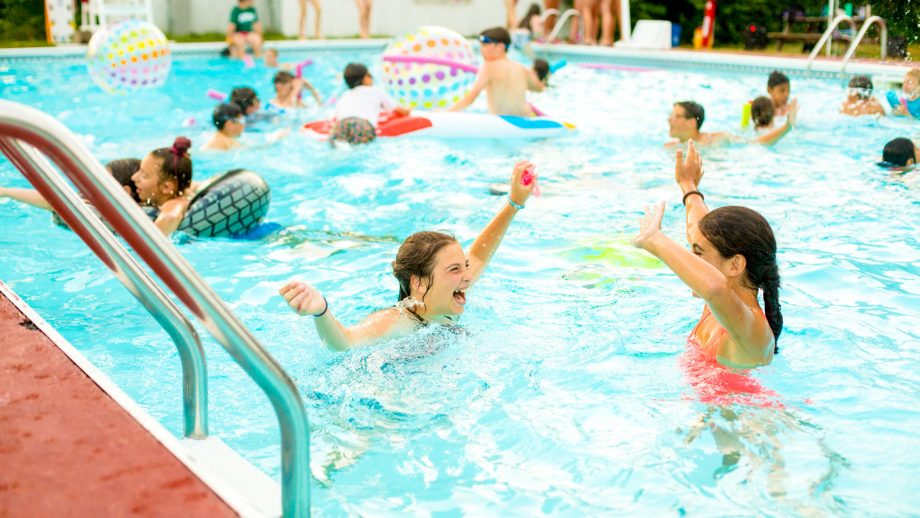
(486, 244)
(688, 173)
(28, 196)
(772, 137)
(482, 79)
(704, 279)
(307, 300)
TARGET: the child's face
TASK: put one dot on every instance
(283, 90)
(779, 94)
(245, 3)
(235, 127)
(910, 85)
(254, 107)
(368, 80)
(491, 50)
(680, 124)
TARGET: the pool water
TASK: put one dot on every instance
(567, 389)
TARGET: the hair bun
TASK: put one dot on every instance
(181, 145)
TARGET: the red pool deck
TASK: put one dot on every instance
(68, 449)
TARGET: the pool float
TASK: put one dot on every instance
(457, 125)
(232, 204)
(228, 205)
(912, 106)
(616, 251)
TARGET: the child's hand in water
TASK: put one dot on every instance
(519, 192)
(688, 172)
(649, 226)
(303, 298)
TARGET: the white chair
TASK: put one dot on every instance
(98, 14)
(649, 34)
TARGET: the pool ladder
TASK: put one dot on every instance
(29, 137)
(851, 50)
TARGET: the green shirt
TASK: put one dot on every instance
(243, 18)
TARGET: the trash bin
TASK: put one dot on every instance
(675, 35)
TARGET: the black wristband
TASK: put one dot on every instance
(324, 309)
(692, 192)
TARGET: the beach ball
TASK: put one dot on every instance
(130, 55)
(431, 68)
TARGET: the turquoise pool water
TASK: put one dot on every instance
(567, 390)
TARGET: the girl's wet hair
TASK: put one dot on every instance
(122, 170)
(283, 77)
(177, 164)
(739, 230)
(898, 151)
(533, 10)
(762, 111)
(777, 78)
(416, 257)
(354, 74)
(225, 112)
(244, 97)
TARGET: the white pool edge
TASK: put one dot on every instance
(199, 458)
(647, 57)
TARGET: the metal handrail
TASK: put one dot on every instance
(53, 139)
(561, 21)
(88, 226)
(883, 39)
(827, 35)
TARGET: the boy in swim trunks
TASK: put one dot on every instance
(244, 27)
(506, 83)
(358, 110)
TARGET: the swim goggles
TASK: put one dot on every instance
(485, 39)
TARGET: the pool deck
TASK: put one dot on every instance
(68, 448)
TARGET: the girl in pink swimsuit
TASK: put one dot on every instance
(732, 259)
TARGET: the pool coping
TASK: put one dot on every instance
(187, 456)
(664, 58)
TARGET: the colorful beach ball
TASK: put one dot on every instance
(129, 55)
(421, 76)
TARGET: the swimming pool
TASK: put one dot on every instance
(566, 391)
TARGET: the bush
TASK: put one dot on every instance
(22, 20)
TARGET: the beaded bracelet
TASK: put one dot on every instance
(517, 206)
(324, 309)
(693, 192)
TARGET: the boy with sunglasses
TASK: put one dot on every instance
(506, 83)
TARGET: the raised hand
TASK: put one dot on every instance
(519, 192)
(649, 225)
(303, 298)
(688, 172)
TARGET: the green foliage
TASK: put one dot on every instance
(22, 20)
(734, 16)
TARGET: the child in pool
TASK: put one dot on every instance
(506, 83)
(900, 154)
(164, 181)
(229, 120)
(541, 69)
(433, 273)
(860, 100)
(120, 169)
(778, 89)
(685, 122)
(909, 104)
(733, 257)
(762, 110)
(358, 109)
(287, 92)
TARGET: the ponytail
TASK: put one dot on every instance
(177, 164)
(772, 309)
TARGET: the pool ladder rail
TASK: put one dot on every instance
(29, 137)
(851, 50)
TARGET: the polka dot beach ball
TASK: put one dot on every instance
(429, 81)
(127, 56)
